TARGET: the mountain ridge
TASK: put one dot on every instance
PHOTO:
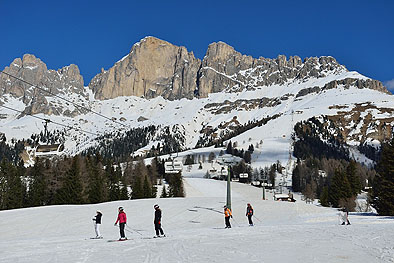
(156, 67)
(266, 96)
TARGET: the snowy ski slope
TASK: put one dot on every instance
(283, 232)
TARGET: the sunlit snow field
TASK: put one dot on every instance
(283, 232)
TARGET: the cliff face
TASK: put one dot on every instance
(152, 68)
(66, 80)
(157, 68)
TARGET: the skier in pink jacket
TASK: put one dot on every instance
(122, 219)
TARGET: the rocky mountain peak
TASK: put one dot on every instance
(32, 70)
(153, 68)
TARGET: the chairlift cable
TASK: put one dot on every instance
(67, 100)
(46, 120)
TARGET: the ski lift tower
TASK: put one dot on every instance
(228, 201)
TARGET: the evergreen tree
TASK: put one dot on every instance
(97, 189)
(251, 148)
(138, 190)
(113, 182)
(12, 189)
(339, 189)
(383, 186)
(38, 189)
(176, 186)
(324, 197)
(353, 178)
(164, 192)
(296, 177)
(229, 149)
(248, 157)
(147, 188)
(71, 191)
(154, 191)
(272, 175)
(123, 193)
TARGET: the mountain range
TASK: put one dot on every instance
(225, 96)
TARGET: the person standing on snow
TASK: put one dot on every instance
(345, 216)
(227, 215)
(157, 221)
(97, 223)
(249, 214)
(122, 219)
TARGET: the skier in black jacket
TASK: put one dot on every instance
(97, 223)
(249, 214)
(157, 221)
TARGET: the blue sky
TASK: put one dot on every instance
(96, 34)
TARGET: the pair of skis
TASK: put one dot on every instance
(120, 240)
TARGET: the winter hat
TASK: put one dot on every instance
(156, 206)
(98, 211)
(120, 208)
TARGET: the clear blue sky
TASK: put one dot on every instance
(95, 34)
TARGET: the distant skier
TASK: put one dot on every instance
(249, 214)
(122, 219)
(157, 221)
(345, 217)
(227, 215)
(97, 223)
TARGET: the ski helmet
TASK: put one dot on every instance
(98, 211)
(156, 206)
(120, 208)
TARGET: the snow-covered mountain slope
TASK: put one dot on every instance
(365, 115)
(175, 98)
(283, 232)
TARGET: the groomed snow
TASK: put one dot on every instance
(283, 232)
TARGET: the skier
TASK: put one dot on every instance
(97, 223)
(122, 219)
(227, 215)
(157, 221)
(249, 214)
(345, 216)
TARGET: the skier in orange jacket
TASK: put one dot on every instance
(227, 215)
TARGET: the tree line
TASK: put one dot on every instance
(82, 180)
(119, 146)
(326, 171)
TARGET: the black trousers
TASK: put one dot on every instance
(121, 228)
(250, 219)
(158, 229)
(227, 220)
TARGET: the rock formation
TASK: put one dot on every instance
(157, 68)
(152, 68)
(66, 80)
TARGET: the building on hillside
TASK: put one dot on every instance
(284, 197)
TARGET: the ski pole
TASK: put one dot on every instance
(257, 218)
(134, 230)
(235, 221)
(129, 231)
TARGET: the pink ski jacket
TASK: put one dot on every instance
(121, 218)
